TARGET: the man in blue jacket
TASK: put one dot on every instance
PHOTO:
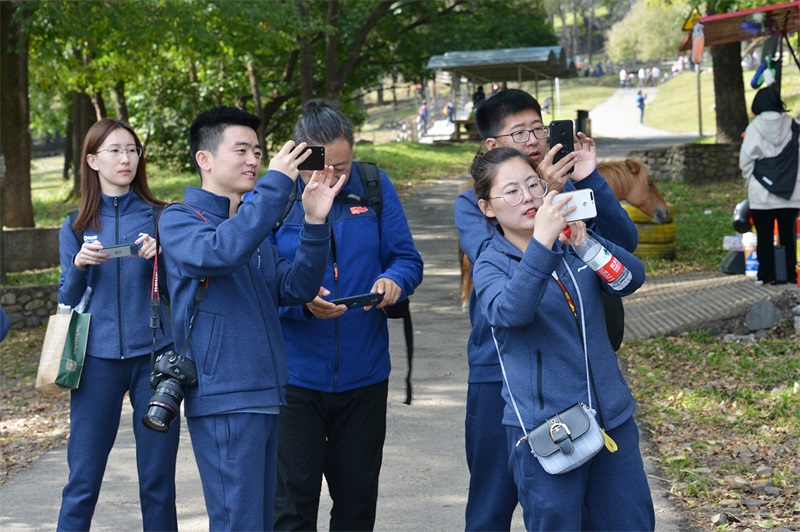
(236, 341)
(513, 118)
(334, 423)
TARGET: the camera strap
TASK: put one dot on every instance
(155, 293)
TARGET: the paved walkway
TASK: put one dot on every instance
(424, 478)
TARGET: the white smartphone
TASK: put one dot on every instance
(584, 200)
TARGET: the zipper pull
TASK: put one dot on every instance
(335, 271)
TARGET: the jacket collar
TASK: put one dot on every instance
(207, 201)
(124, 203)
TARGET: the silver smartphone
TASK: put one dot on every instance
(584, 200)
(125, 250)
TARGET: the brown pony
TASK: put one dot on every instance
(630, 181)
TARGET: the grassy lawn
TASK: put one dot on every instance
(724, 417)
(575, 94)
(675, 106)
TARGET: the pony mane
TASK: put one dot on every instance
(621, 175)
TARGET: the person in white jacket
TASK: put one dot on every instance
(767, 136)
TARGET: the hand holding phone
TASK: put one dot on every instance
(361, 300)
(583, 199)
(561, 133)
(125, 250)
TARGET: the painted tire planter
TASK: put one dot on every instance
(655, 240)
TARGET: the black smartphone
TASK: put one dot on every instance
(561, 133)
(125, 250)
(315, 161)
(362, 300)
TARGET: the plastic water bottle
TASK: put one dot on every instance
(84, 302)
(603, 263)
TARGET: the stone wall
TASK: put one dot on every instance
(29, 306)
(693, 163)
(30, 248)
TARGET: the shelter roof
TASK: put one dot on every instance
(725, 28)
(507, 64)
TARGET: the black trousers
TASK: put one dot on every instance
(764, 222)
(339, 435)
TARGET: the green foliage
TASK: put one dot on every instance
(647, 33)
(176, 58)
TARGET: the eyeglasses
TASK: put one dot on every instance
(514, 196)
(521, 136)
(119, 152)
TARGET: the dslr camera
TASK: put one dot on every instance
(172, 374)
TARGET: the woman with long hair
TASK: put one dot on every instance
(117, 208)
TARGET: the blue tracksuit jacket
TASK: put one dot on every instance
(351, 351)
(538, 335)
(475, 232)
(236, 341)
(120, 302)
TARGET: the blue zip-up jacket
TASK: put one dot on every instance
(120, 301)
(236, 340)
(538, 335)
(475, 232)
(352, 351)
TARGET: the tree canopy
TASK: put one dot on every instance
(161, 62)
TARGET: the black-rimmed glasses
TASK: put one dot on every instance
(541, 132)
(514, 196)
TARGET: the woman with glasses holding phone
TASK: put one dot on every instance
(117, 208)
(542, 303)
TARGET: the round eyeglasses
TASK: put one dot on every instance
(521, 136)
(514, 196)
(119, 152)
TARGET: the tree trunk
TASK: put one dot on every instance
(99, 105)
(83, 116)
(333, 84)
(193, 84)
(68, 148)
(729, 93)
(120, 102)
(590, 33)
(255, 93)
(306, 74)
(17, 207)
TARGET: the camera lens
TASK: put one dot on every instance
(164, 405)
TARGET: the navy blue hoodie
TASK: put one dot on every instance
(539, 339)
(236, 341)
(120, 302)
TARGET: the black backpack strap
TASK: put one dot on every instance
(371, 180)
(294, 196)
